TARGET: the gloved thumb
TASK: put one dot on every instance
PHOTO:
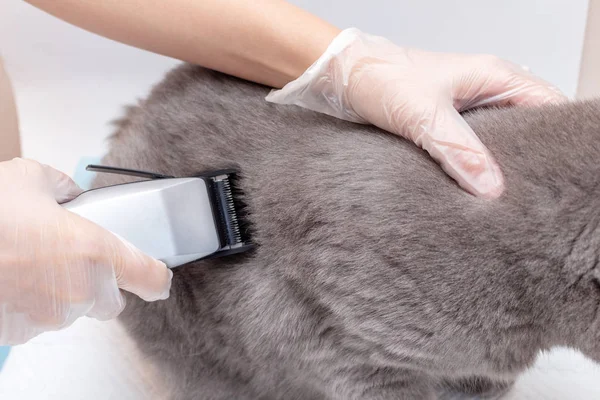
(37, 177)
(451, 141)
(62, 186)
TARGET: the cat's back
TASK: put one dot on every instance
(301, 169)
(197, 119)
(344, 211)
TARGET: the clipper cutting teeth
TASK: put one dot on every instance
(231, 228)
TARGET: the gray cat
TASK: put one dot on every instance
(375, 276)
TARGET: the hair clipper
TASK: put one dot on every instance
(175, 220)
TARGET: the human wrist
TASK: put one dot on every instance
(306, 47)
(322, 86)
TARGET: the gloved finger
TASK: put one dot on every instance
(46, 320)
(493, 81)
(109, 301)
(137, 272)
(84, 283)
(449, 140)
(59, 295)
(87, 295)
(59, 185)
(64, 188)
(134, 271)
(15, 327)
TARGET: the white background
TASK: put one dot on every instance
(70, 84)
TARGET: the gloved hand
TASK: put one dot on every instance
(418, 95)
(56, 266)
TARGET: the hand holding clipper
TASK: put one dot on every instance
(57, 266)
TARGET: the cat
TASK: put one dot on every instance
(374, 275)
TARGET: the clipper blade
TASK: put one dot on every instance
(230, 212)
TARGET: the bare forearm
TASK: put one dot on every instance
(269, 41)
(9, 127)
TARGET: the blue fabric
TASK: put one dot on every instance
(84, 179)
(3, 355)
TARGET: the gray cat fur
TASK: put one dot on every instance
(375, 276)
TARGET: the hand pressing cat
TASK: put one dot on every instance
(418, 95)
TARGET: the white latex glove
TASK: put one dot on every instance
(418, 95)
(56, 266)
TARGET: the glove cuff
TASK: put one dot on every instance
(321, 87)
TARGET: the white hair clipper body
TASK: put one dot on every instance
(175, 220)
